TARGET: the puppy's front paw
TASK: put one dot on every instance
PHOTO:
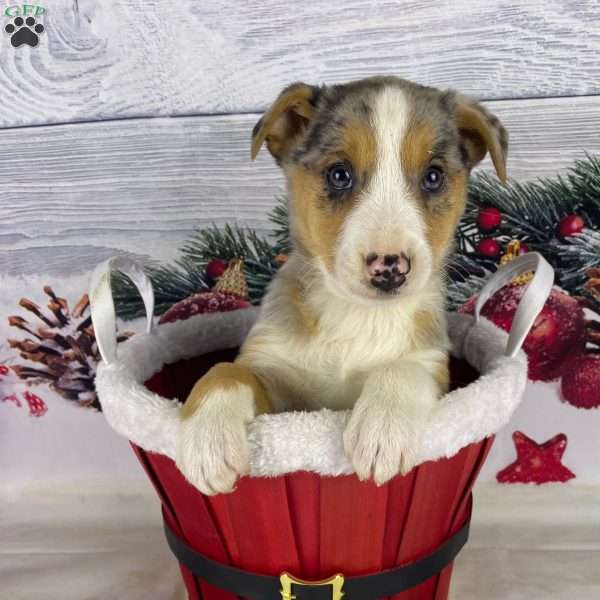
(212, 446)
(382, 440)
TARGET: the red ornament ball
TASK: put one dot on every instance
(580, 385)
(489, 218)
(488, 247)
(570, 225)
(204, 302)
(215, 268)
(557, 333)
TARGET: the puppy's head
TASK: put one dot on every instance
(377, 175)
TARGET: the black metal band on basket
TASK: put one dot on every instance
(365, 587)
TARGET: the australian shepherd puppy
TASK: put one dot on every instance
(377, 174)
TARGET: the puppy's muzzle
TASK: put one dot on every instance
(387, 272)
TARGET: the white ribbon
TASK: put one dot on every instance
(102, 305)
(533, 298)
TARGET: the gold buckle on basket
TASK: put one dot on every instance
(336, 582)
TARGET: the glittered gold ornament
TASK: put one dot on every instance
(513, 250)
(233, 280)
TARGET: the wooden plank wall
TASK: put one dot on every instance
(129, 125)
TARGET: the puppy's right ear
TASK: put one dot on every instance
(283, 124)
(481, 132)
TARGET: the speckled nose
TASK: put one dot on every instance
(387, 272)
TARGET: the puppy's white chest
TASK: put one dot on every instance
(337, 368)
(333, 375)
(325, 364)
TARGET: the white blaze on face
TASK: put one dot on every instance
(388, 218)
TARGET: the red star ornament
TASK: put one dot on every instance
(536, 463)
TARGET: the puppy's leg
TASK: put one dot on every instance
(383, 435)
(212, 449)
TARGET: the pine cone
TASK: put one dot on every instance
(63, 346)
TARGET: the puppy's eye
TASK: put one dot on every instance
(339, 177)
(432, 180)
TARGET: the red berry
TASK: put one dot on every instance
(580, 385)
(523, 249)
(215, 268)
(488, 247)
(489, 218)
(570, 225)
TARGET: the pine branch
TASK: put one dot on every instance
(576, 255)
(170, 283)
(187, 276)
(461, 266)
(465, 276)
(584, 180)
(227, 243)
(458, 292)
(281, 225)
(530, 211)
(230, 242)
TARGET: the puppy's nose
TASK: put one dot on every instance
(387, 272)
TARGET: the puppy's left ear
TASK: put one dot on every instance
(283, 124)
(481, 132)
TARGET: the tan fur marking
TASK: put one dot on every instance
(284, 121)
(415, 152)
(225, 377)
(309, 320)
(359, 144)
(481, 136)
(316, 226)
(442, 376)
(427, 328)
(441, 223)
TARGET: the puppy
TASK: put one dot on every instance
(377, 174)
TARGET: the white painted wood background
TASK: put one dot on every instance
(85, 190)
(88, 170)
(82, 178)
(126, 58)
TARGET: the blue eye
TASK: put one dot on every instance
(432, 179)
(339, 177)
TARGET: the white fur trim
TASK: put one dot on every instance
(307, 441)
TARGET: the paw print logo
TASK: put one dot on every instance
(24, 31)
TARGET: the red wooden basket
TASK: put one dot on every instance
(314, 526)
